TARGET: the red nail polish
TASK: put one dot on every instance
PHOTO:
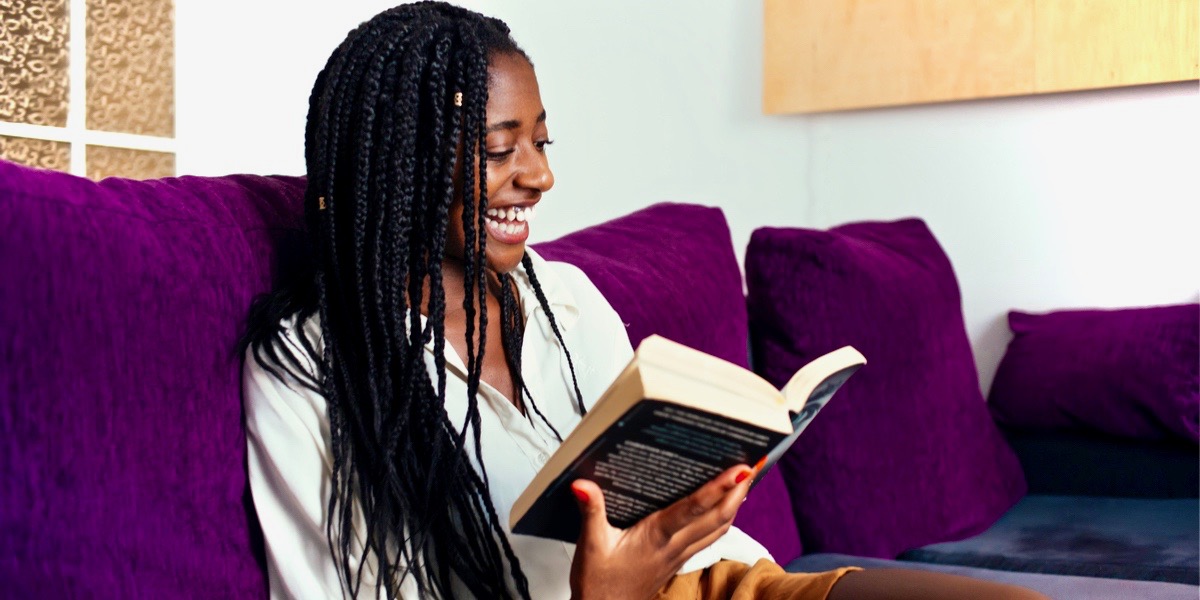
(742, 476)
(580, 494)
(759, 465)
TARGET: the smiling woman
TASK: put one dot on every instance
(392, 418)
(518, 172)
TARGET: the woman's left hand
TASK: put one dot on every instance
(621, 564)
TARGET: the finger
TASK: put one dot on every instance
(683, 512)
(703, 532)
(594, 518)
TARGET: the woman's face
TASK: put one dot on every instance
(517, 170)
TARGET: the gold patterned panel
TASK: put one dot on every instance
(106, 161)
(131, 66)
(33, 62)
(44, 154)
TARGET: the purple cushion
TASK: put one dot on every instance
(122, 452)
(670, 269)
(906, 454)
(1132, 373)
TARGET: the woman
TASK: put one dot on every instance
(409, 382)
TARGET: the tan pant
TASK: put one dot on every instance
(730, 580)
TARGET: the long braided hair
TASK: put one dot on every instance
(386, 128)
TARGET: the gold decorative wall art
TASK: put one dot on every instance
(43, 154)
(106, 161)
(105, 94)
(131, 67)
(33, 62)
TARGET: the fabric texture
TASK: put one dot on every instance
(1062, 587)
(764, 580)
(122, 451)
(1118, 538)
(906, 454)
(670, 270)
(289, 445)
(1069, 463)
(1132, 373)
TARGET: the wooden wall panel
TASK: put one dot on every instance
(822, 55)
(1085, 44)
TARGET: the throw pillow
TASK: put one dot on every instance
(1132, 373)
(122, 450)
(906, 454)
(670, 269)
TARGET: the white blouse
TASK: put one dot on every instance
(290, 456)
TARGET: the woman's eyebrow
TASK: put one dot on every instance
(512, 123)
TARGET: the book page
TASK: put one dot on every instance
(653, 455)
(800, 420)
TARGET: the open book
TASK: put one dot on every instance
(671, 421)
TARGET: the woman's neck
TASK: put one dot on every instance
(454, 277)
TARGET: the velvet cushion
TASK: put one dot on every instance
(122, 451)
(906, 454)
(670, 269)
(1132, 373)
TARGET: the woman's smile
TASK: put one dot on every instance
(510, 225)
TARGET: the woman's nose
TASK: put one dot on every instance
(535, 173)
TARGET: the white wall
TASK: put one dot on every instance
(1070, 200)
(1043, 202)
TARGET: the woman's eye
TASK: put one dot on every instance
(499, 155)
(541, 146)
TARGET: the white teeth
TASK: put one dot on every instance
(511, 220)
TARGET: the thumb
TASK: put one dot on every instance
(594, 524)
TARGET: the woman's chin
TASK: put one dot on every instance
(505, 259)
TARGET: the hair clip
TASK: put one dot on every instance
(320, 202)
(458, 98)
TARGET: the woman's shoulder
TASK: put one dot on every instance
(577, 299)
(566, 283)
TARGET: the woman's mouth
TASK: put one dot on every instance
(509, 225)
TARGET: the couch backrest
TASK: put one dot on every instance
(123, 463)
(123, 454)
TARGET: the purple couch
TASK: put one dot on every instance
(122, 465)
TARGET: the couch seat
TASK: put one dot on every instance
(1121, 538)
(1060, 587)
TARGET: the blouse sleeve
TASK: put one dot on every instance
(289, 466)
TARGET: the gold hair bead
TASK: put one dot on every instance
(320, 202)
(458, 98)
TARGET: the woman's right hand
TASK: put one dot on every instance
(613, 563)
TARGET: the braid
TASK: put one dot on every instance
(541, 296)
(512, 325)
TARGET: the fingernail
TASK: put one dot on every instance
(580, 494)
(759, 465)
(742, 476)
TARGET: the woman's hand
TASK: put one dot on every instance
(636, 562)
